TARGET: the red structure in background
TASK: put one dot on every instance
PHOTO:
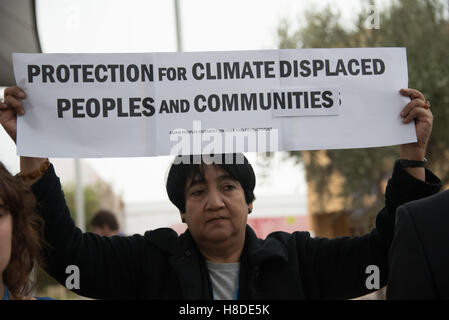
(264, 226)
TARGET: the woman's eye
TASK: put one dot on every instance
(197, 192)
(229, 187)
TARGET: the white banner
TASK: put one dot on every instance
(150, 104)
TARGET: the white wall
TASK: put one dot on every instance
(141, 217)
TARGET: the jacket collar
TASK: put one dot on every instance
(257, 250)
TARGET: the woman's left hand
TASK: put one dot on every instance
(417, 110)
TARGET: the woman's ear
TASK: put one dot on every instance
(250, 208)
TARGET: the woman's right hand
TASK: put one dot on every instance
(10, 108)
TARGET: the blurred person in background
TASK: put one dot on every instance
(105, 223)
(20, 234)
(219, 256)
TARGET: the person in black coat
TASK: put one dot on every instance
(219, 256)
(419, 256)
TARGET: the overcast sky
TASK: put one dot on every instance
(149, 26)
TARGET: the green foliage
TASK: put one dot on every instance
(421, 27)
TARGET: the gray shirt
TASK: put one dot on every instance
(224, 277)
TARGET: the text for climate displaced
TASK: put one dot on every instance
(81, 107)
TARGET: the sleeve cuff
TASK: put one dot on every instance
(403, 187)
(41, 186)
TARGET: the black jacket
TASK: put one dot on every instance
(163, 265)
(419, 261)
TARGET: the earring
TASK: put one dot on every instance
(250, 210)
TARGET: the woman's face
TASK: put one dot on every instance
(5, 236)
(216, 209)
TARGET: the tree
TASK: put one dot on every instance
(421, 27)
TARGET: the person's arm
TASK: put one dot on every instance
(339, 266)
(108, 267)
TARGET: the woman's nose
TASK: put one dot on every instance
(214, 200)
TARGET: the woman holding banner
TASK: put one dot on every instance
(219, 256)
